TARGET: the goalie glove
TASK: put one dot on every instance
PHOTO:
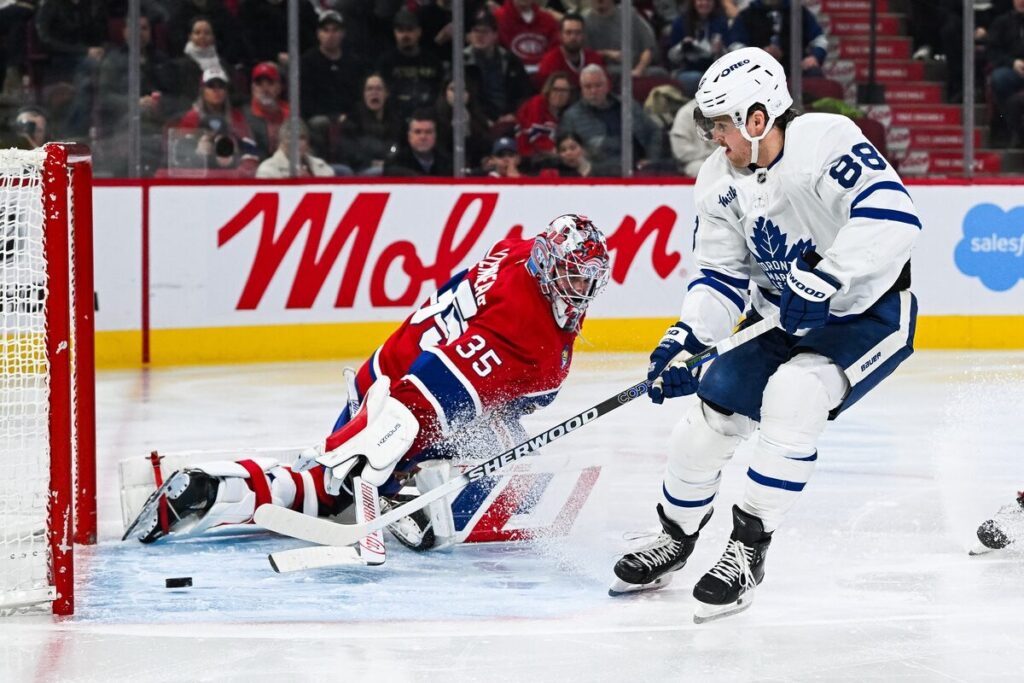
(375, 439)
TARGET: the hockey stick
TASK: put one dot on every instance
(324, 532)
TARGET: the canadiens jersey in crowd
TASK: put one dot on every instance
(485, 342)
(829, 190)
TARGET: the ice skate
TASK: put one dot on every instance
(729, 586)
(189, 494)
(413, 531)
(1005, 527)
(652, 566)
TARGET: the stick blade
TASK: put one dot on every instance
(314, 557)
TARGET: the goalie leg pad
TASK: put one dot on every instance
(701, 443)
(794, 411)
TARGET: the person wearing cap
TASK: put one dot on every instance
(331, 75)
(199, 53)
(505, 159)
(222, 131)
(502, 81)
(266, 110)
(413, 74)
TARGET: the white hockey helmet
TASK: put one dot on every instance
(571, 263)
(735, 83)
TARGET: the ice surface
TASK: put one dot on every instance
(868, 578)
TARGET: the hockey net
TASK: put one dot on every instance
(47, 414)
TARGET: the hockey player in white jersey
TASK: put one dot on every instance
(799, 217)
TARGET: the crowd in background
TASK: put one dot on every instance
(376, 95)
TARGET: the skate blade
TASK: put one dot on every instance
(151, 508)
(705, 612)
(620, 587)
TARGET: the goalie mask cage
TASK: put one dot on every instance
(47, 379)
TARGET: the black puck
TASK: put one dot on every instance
(180, 582)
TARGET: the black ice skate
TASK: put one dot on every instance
(1005, 527)
(413, 531)
(729, 587)
(188, 494)
(651, 567)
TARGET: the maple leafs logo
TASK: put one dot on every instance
(771, 252)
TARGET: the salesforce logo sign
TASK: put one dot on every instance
(992, 248)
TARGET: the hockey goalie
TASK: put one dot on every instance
(491, 345)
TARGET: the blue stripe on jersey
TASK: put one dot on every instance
(453, 397)
(871, 189)
(886, 215)
(775, 483)
(737, 282)
(373, 361)
(810, 458)
(721, 288)
(685, 503)
(453, 281)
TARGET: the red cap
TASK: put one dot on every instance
(266, 70)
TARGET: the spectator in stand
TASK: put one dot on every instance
(224, 140)
(570, 55)
(436, 21)
(266, 111)
(690, 147)
(573, 161)
(330, 80)
(699, 36)
(538, 118)
(597, 119)
(420, 156)
(505, 159)
(478, 135)
(265, 27)
(503, 82)
(926, 24)
(230, 39)
(278, 165)
(413, 74)
(1006, 54)
(14, 16)
(371, 131)
(527, 31)
(603, 30)
(111, 119)
(765, 24)
(30, 127)
(73, 33)
(199, 54)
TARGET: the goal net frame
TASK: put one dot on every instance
(67, 250)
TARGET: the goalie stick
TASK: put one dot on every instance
(325, 532)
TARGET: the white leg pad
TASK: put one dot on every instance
(700, 445)
(430, 475)
(794, 412)
(235, 504)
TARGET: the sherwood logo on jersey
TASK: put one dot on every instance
(992, 248)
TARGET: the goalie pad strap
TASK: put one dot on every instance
(257, 482)
(317, 474)
(300, 491)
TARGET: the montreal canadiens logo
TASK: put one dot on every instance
(529, 45)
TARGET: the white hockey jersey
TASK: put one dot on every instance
(829, 190)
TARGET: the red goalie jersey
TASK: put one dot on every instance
(496, 339)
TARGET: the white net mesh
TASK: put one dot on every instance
(24, 382)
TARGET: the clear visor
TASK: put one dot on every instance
(710, 128)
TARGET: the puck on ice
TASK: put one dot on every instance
(181, 582)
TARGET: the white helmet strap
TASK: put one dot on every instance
(755, 141)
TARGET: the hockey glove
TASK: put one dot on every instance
(675, 381)
(805, 299)
(376, 438)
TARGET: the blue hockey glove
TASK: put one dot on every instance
(676, 381)
(805, 298)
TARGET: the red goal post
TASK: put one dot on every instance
(47, 376)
